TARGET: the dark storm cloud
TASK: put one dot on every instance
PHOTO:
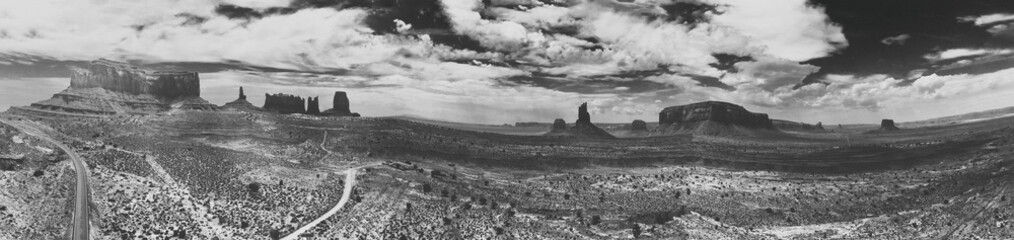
(689, 12)
(727, 62)
(930, 26)
(237, 12)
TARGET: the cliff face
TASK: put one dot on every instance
(284, 103)
(121, 77)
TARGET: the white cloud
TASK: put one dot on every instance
(790, 29)
(259, 4)
(965, 52)
(769, 74)
(988, 19)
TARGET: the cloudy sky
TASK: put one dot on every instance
(503, 61)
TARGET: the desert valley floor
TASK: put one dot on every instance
(189, 174)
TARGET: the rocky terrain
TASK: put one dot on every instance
(198, 174)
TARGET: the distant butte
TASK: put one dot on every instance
(340, 106)
(583, 128)
(107, 87)
(241, 103)
(711, 118)
(888, 125)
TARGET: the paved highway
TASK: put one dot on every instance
(79, 228)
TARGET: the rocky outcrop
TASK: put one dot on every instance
(106, 87)
(582, 114)
(583, 128)
(241, 103)
(121, 77)
(638, 125)
(313, 105)
(284, 103)
(559, 124)
(888, 125)
(340, 106)
(711, 118)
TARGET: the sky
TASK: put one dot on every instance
(506, 61)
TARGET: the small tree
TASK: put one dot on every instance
(427, 188)
(595, 220)
(636, 230)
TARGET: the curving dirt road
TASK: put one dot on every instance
(80, 226)
(350, 180)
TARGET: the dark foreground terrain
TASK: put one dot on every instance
(243, 175)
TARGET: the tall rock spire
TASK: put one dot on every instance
(582, 114)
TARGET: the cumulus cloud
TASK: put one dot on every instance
(769, 74)
(791, 29)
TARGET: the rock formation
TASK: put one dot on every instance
(241, 103)
(639, 125)
(711, 118)
(888, 125)
(340, 106)
(313, 105)
(583, 128)
(559, 124)
(106, 87)
(785, 125)
(121, 77)
(284, 103)
(559, 128)
(582, 114)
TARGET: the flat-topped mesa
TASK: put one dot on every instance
(888, 125)
(712, 118)
(122, 77)
(715, 111)
(284, 103)
(105, 87)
